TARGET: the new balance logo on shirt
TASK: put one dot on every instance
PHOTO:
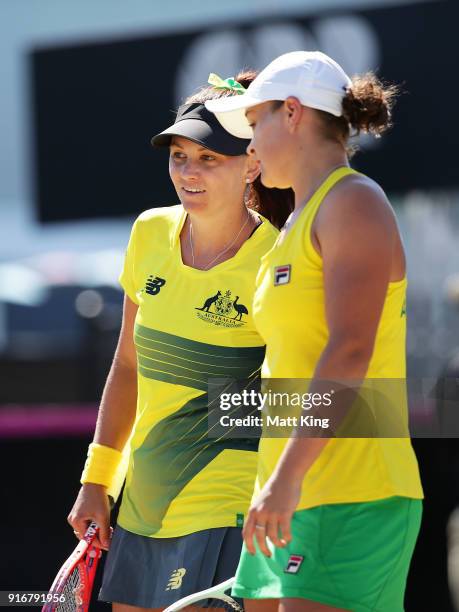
(154, 284)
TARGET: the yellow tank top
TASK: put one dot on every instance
(289, 314)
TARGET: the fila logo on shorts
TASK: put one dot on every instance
(282, 275)
(175, 581)
(294, 564)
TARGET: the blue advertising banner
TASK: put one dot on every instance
(96, 105)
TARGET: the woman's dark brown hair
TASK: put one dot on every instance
(367, 107)
(274, 204)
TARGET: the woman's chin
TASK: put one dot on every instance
(268, 181)
(191, 204)
(271, 182)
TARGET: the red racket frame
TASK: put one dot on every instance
(85, 557)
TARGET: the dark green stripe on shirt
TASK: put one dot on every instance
(181, 361)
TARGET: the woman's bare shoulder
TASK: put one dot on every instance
(357, 199)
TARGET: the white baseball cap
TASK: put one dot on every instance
(311, 76)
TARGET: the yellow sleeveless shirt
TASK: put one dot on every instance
(289, 314)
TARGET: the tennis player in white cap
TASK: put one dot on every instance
(334, 520)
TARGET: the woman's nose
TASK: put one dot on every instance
(189, 170)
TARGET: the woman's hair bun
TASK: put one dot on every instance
(367, 105)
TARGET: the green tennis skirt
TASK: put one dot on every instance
(351, 556)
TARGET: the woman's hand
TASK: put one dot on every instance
(271, 513)
(92, 504)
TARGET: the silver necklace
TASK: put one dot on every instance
(221, 252)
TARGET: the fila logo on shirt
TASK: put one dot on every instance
(282, 275)
(293, 564)
(154, 284)
(175, 581)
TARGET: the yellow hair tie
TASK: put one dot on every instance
(230, 83)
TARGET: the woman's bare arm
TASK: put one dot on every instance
(114, 425)
(356, 235)
(119, 399)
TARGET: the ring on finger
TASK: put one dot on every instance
(260, 526)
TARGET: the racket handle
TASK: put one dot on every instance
(91, 532)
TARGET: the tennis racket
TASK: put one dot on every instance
(217, 594)
(71, 589)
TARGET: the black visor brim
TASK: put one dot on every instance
(205, 131)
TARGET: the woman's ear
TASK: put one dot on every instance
(294, 111)
(253, 169)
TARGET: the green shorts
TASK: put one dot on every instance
(352, 556)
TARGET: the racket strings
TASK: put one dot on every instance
(225, 604)
(73, 593)
(217, 605)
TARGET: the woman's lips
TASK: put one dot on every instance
(193, 191)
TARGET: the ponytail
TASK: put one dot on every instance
(367, 107)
